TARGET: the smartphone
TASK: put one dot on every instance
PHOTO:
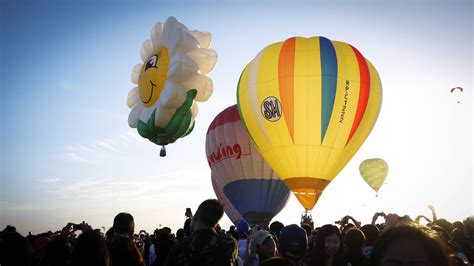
(76, 227)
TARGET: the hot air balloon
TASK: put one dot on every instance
(170, 81)
(229, 209)
(374, 172)
(309, 104)
(246, 179)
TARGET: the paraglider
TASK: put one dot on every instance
(240, 171)
(459, 89)
(170, 81)
(374, 172)
(309, 104)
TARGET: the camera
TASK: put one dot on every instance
(188, 213)
(76, 227)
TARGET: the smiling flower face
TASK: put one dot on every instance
(170, 81)
(153, 77)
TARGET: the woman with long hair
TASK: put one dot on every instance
(329, 247)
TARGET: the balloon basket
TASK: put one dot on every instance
(163, 151)
(306, 218)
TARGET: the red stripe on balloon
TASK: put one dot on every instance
(230, 114)
(363, 94)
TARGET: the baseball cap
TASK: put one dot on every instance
(243, 228)
(260, 236)
(293, 242)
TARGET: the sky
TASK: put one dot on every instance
(68, 154)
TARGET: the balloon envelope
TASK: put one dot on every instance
(309, 104)
(229, 209)
(246, 179)
(374, 172)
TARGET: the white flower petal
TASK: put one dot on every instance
(157, 35)
(203, 37)
(202, 84)
(164, 116)
(145, 115)
(169, 28)
(136, 73)
(135, 115)
(133, 97)
(194, 110)
(182, 41)
(205, 58)
(182, 67)
(146, 50)
(173, 95)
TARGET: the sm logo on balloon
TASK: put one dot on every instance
(224, 152)
(271, 109)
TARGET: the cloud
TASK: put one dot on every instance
(74, 157)
(119, 188)
(50, 180)
(100, 150)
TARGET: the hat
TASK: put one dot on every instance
(293, 242)
(243, 228)
(260, 236)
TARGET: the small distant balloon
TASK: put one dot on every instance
(457, 91)
(374, 172)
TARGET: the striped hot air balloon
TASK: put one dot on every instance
(229, 209)
(309, 104)
(246, 179)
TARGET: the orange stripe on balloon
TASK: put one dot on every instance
(286, 64)
(363, 94)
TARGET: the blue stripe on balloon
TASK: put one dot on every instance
(258, 195)
(329, 81)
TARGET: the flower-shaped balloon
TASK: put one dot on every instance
(170, 81)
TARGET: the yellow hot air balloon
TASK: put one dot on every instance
(309, 104)
(374, 172)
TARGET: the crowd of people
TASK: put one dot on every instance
(395, 240)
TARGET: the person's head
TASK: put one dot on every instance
(459, 225)
(409, 243)
(243, 229)
(276, 227)
(15, 249)
(57, 251)
(328, 243)
(9, 229)
(444, 224)
(124, 224)
(354, 240)
(90, 249)
(264, 244)
(469, 226)
(293, 242)
(208, 213)
(180, 234)
(163, 244)
(371, 233)
(307, 228)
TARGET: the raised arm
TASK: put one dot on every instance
(433, 212)
(377, 215)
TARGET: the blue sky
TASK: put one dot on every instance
(67, 153)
